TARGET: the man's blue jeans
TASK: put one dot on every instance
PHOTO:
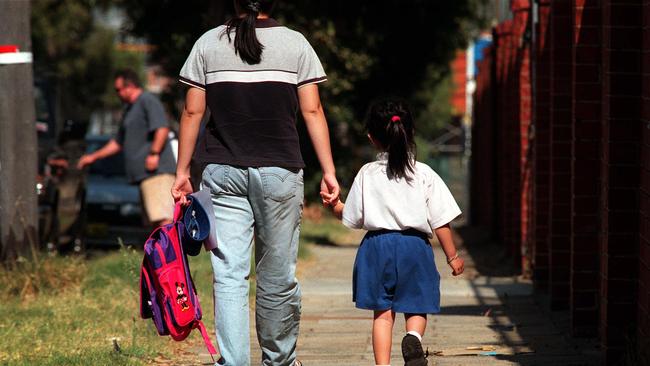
(264, 203)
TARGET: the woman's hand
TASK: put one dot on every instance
(181, 188)
(329, 189)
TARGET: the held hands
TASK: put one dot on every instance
(329, 190)
(457, 265)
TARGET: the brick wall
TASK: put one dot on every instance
(587, 221)
(620, 159)
(585, 166)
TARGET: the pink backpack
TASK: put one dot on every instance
(167, 293)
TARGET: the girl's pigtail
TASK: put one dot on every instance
(400, 161)
(390, 124)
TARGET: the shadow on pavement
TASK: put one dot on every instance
(511, 323)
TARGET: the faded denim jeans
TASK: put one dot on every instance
(266, 204)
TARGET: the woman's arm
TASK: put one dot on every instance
(188, 133)
(312, 112)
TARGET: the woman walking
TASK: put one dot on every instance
(254, 75)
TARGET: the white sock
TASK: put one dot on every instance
(412, 332)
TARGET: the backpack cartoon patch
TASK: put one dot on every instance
(181, 299)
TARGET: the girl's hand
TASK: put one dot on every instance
(181, 188)
(457, 265)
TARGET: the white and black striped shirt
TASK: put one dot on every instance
(253, 107)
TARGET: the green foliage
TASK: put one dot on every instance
(77, 55)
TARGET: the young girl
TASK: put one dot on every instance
(401, 202)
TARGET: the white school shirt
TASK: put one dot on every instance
(375, 202)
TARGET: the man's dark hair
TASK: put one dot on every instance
(129, 76)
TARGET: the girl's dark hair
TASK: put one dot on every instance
(247, 46)
(390, 124)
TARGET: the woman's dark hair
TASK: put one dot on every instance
(390, 124)
(247, 46)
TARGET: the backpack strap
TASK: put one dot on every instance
(206, 339)
(178, 212)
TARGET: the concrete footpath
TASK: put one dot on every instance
(485, 320)
(497, 314)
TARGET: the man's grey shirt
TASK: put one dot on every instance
(139, 123)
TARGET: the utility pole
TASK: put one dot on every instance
(18, 142)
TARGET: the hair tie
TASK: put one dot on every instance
(254, 6)
(395, 119)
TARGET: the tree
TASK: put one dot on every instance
(76, 54)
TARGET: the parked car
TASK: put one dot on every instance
(112, 203)
(61, 187)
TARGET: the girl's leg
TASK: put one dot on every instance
(412, 342)
(382, 335)
(416, 323)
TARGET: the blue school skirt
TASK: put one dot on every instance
(395, 270)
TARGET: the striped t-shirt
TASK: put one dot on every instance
(252, 107)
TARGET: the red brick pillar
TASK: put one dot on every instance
(585, 167)
(541, 147)
(560, 151)
(483, 146)
(620, 173)
(503, 93)
(644, 196)
(522, 157)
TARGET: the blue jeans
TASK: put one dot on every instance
(266, 204)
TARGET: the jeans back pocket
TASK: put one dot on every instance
(280, 184)
(214, 177)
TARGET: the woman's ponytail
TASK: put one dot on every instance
(247, 46)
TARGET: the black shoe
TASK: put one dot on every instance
(412, 351)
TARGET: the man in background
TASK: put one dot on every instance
(148, 156)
